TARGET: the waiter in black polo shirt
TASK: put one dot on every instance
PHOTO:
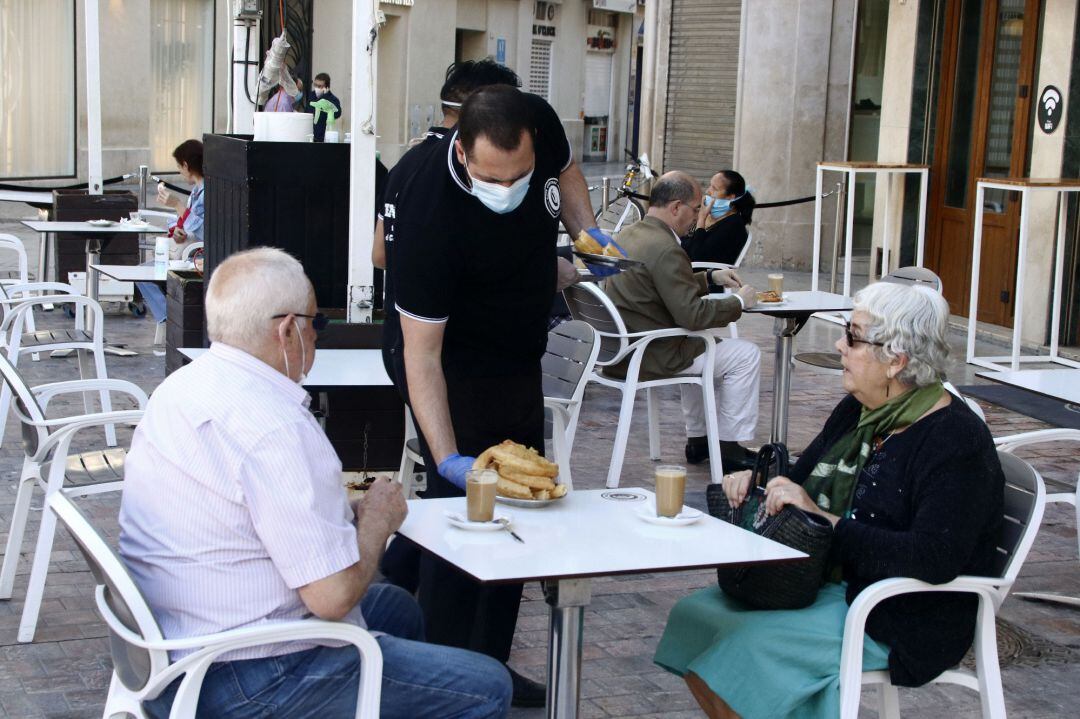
(472, 239)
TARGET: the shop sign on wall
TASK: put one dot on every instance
(1050, 109)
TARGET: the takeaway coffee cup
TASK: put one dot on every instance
(670, 489)
(480, 494)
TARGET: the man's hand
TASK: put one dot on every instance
(382, 502)
(566, 274)
(600, 236)
(726, 278)
(748, 295)
(454, 467)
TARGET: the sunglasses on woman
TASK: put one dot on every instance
(319, 321)
(852, 340)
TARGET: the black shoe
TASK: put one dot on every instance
(734, 456)
(527, 693)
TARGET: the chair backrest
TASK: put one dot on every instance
(588, 303)
(972, 404)
(571, 353)
(745, 248)
(121, 604)
(914, 276)
(1024, 501)
(11, 243)
(26, 407)
(190, 250)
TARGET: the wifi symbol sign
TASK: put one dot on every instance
(1050, 109)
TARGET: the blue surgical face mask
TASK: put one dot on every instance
(720, 206)
(498, 198)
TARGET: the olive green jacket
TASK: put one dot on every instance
(663, 293)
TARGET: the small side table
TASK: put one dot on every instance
(1025, 186)
(851, 170)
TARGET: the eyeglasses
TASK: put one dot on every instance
(852, 340)
(319, 321)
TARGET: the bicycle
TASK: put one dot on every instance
(626, 208)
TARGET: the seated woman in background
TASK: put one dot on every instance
(910, 480)
(725, 215)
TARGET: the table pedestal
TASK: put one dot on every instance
(784, 328)
(567, 599)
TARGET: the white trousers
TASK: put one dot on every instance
(737, 377)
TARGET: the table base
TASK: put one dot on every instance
(1052, 598)
(785, 329)
(567, 599)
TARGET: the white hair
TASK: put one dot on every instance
(248, 289)
(909, 320)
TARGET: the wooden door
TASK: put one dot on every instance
(987, 67)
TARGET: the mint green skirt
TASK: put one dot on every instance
(764, 663)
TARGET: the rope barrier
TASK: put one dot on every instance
(760, 205)
(171, 186)
(77, 186)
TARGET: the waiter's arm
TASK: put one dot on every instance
(577, 212)
(427, 384)
(378, 246)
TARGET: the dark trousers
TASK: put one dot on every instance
(458, 611)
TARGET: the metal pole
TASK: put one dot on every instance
(784, 329)
(816, 265)
(567, 599)
(93, 98)
(362, 161)
(144, 181)
(605, 194)
(840, 193)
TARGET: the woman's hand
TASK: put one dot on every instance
(736, 486)
(179, 236)
(703, 213)
(781, 492)
(166, 198)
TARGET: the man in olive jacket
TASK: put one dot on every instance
(665, 292)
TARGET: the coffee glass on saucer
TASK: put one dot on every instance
(480, 494)
(670, 489)
(776, 283)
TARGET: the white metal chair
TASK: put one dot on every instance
(567, 364)
(79, 338)
(50, 466)
(140, 654)
(589, 304)
(572, 349)
(1025, 498)
(829, 362)
(11, 243)
(190, 250)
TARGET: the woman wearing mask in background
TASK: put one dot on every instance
(723, 220)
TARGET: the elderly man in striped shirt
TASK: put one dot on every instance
(234, 515)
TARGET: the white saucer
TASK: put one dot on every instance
(459, 521)
(685, 517)
(100, 223)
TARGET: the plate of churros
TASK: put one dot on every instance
(770, 297)
(526, 479)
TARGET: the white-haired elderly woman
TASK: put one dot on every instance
(909, 478)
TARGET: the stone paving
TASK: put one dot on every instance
(65, 673)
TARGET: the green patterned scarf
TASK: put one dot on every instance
(831, 484)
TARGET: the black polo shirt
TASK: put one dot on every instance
(489, 277)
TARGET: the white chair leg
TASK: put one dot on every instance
(122, 702)
(84, 373)
(558, 443)
(986, 663)
(622, 434)
(38, 571)
(405, 472)
(734, 331)
(159, 333)
(106, 401)
(16, 531)
(652, 402)
(888, 701)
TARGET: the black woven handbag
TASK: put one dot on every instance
(785, 585)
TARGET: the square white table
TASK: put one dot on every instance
(590, 533)
(1061, 384)
(335, 369)
(791, 316)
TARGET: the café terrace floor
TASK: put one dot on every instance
(65, 673)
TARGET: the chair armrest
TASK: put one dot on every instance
(62, 288)
(20, 308)
(1014, 441)
(711, 266)
(46, 392)
(989, 589)
(60, 440)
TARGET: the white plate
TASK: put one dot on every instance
(459, 521)
(781, 303)
(685, 517)
(100, 223)
(137, 225)
(526, 503)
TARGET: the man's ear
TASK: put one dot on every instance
(285, 329)
(459, 149)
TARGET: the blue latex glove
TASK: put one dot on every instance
(604, 239)
(454, 467)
